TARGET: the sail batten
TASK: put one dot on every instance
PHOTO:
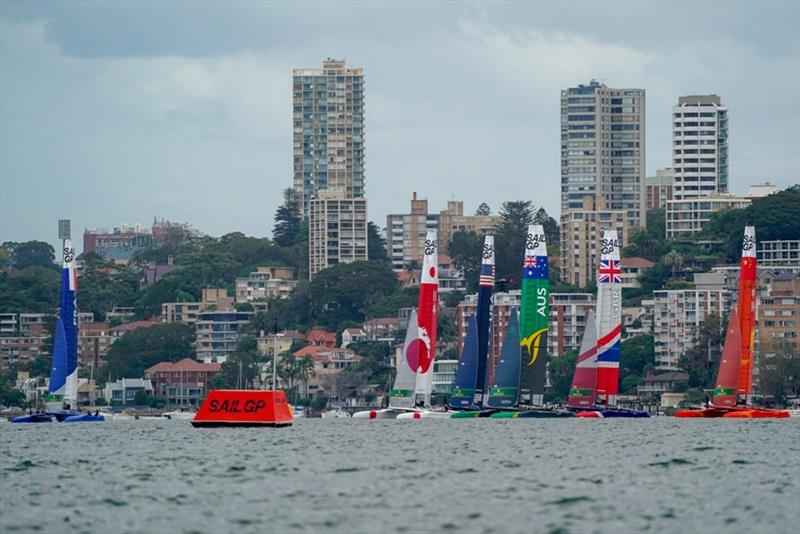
(534, 317)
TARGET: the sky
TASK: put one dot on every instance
(118, 112)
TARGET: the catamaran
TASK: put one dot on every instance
(414, 381)
(62, 398)
(734, 385)
(521, 392)
(603, 360)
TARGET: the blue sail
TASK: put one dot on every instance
(69, 321)
(504, 393)
(462, 394)
(484, 311)
(58, 370)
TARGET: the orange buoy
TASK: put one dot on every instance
(238, 407)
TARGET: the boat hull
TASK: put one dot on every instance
(84, 418)
(741, 412)
(425, 414)
(384, 413)
(612, 413)
(33, 418)
(537, 413)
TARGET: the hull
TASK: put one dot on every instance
(62, 416)
(535, 413)
(385, 413)
(472, 414)
(84, 418)
(603, 413)
(742, 412)
(425, 414)
(33, 418)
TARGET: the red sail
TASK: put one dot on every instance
(725, 388)
(428, 306)
(747, 311)
(584, 381)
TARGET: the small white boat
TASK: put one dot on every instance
(178, 415)
(426, 414)
(330, 414)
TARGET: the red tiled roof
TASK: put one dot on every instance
(316, 334)
(383, 320)
(135, 325)
(637, 262)
(186, 365)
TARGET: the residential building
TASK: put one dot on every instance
(677, 315)
(632, 268)
(217, 333)
(27, 320)
(9, 323)
(319, 337)
(603, 149)
(452, 220)
(266, 283)
(444, 374)
(405, 234)
(337, 230)
(284, 340)
(655, 385)
(383, 329)
(637, 320)
(24, 347)
(328, 132)
(328, 362)
(180, 312)
(94, 340)
(118, 244)
(779, 316)
(450, 278)
(581, 230)
(154, 272)
(687, 216)
(184, 382)
(659, 189)
(352, 335)
(123, 313)
(119, 331)
(784, 252)
(124, 390)
(699, 147)
(760, 190)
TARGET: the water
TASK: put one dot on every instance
(339, 475)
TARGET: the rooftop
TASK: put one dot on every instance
(184, 365)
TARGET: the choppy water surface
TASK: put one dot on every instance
(337, 475)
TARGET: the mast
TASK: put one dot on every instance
(609, 318)
(485, 290)
(534, 317)
(428, 311)
(747, 314)
(584, 381)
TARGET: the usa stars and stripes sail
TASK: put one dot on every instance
(483, 316)
(609, 319)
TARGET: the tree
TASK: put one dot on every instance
(779, 372)
(636, 359)
(701, 360)
(31, 254)
(452, 298)
(552, 233)
(288, 223)
(510, 235)
(376, 244)
(33, 289)
(560, 370)
(104, 286)
(483, 209)
(130, 355)
(345, 291)
(465, 250)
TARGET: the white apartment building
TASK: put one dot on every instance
(699, 146)
(784, 252)
(337, 230)
(405, 234)
(266, 283)
(688, 216)
(677, 315)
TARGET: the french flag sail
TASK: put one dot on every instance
(584, 381)
(609, 319)
(747, 314)
(427, 314)
(483, 314)
(63, 390)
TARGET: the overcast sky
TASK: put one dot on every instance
(118, 112)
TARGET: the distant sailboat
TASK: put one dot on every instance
(504, 393)
(609, 332)
(414, 381)
(734, 383)
(462, 394)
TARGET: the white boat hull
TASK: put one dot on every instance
(426, 414)
(385, 413)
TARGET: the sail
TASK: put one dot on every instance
(485, 290)
(534, 317)
(58, 369)
(462, 394)
(402, 394)
(69, 319)
(428, 311)
(747, 312)
(584, 381)
(504, 393)
(609, 318)
(725, 388)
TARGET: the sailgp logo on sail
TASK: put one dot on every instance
(533, 241)
(430, 247)
(69, 254)
(607, 246)
(749, 243)
(488, 251)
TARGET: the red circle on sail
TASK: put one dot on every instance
(432, 272)
(418, 356)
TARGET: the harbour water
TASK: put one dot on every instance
(342, 475)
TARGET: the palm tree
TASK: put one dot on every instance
(674, 260)
(305, 369)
